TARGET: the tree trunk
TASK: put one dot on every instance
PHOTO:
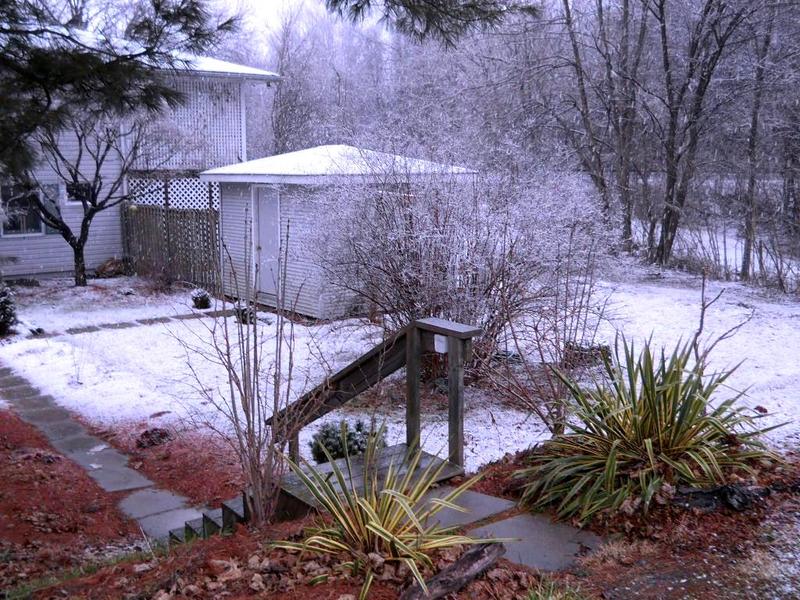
(751, 212)
(80, 265)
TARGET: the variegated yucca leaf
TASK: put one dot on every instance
(650, 420)
(388, 514)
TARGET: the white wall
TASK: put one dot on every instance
(307, 290)
(49, 253)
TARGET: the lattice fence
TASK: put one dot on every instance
(176, 192)
(171, 229)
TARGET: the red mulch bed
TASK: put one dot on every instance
(50, 509)
(197, 465)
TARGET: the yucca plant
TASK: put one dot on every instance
(651, 422)
(386, 514)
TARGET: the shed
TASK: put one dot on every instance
(260, 198)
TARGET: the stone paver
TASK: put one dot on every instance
(120, 479)
(158, 526)
(152, 501)
(123, 325)
(19, 392)
(153, 320)
(478, 506)
(85, 329)
(539, 542)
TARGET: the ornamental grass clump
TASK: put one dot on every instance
(386, 517)
(650, 426)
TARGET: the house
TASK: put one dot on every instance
(208, 130)
(261, 199)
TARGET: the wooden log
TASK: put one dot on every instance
(450, 580)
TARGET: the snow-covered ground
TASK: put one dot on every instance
(766, 346)
(56, 305)
(137, 376)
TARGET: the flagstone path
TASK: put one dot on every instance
(530, 539)
(157, 511)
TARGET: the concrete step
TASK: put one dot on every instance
(212, 522)
(193, 529)
(233, 512)
(177, 536)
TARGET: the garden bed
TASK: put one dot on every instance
(53, 516)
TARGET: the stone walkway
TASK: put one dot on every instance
(535, 540)
(135, 323)
(157, 511)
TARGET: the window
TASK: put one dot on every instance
(21, 217)
(78, 192)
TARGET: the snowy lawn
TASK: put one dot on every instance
(131, 378)
(56, 305)
(766, 345)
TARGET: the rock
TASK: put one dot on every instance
(153, 437)
(141, 568)
(257, 583)
(346, 597)
(254, 562)
(92, 507)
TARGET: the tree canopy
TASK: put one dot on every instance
(49, 69)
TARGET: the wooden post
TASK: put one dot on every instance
(455, 393)
(413, 375)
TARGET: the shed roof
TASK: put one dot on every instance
(331, 162)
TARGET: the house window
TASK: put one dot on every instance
(78, 192)
(21, 216)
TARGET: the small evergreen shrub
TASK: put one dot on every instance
(245, 313)
(340, 440)
(8, 309)
(201, 299)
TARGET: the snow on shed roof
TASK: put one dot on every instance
(314, 165)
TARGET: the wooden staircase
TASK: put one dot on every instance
(404, 349)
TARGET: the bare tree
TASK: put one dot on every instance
(92, 157)
(258, 358)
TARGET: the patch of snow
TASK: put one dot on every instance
(57, 305)
(770, 369)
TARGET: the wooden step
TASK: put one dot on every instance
(297, 501)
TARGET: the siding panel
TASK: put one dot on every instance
(50, 254)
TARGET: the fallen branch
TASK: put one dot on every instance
(448, 581)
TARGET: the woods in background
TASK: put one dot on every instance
(681, 113)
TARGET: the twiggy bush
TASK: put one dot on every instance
(387, 516)
(652, 426)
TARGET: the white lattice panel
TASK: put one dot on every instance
(204, 131)
(180, 192)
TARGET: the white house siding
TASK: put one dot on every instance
(49, 253)
(205, 131)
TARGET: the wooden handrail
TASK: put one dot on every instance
(403, 349)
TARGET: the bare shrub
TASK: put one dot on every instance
(258, 360)
(552, 321)
(466, 249)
